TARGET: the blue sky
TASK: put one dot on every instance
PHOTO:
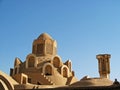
(82, 28)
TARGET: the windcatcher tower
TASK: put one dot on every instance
(104, 65)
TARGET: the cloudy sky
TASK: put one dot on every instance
(82, 28)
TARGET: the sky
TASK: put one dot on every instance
(82, 29)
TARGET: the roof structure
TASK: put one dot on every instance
(44, 69)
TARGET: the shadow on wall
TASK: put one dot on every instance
(1, 86)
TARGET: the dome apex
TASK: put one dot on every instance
(44, 36)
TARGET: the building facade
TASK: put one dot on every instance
(43, 68)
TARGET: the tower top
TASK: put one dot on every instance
(104, 65)
(103, 56)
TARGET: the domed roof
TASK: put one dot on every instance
(86, 82)
(17, 61)
(44, 36)
(6, 81)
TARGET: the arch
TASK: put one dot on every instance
(65, 71)
(48, 69)
(4, 82)
(31, 61)
(56, 61)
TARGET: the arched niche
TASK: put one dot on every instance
(65, 71)
(57, 61)
(48, 69)
(31, 61)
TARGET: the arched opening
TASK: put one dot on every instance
(48, 70)
(65, 72)
(31, 61)
(5, 84)
(56, 62)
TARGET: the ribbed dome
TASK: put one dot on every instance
(44, 36)
(17, 61)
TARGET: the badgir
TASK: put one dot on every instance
(43, 69)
